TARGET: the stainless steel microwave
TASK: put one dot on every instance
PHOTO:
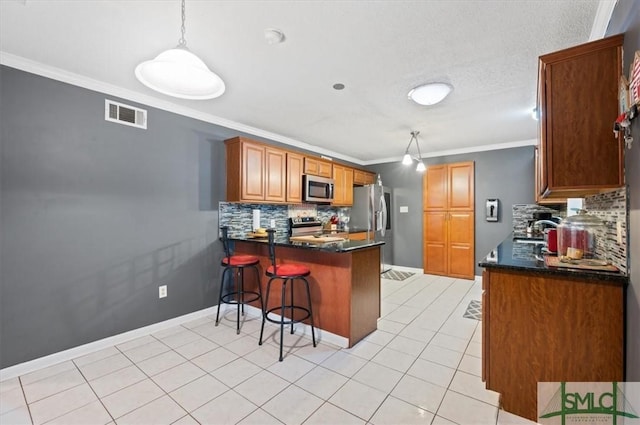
(317, 189)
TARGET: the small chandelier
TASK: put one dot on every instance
(407, 159)
(179, 73)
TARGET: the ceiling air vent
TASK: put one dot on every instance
(125, 114)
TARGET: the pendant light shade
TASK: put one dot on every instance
(406, 159)
(179, 73)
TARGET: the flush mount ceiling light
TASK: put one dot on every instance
(179, 73)
(430, 94)
(273, 36)
(407, 159)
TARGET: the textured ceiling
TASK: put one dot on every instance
(379, 49)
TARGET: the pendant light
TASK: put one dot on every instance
(407, 159)
(179, 73)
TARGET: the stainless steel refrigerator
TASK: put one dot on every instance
(371, 212)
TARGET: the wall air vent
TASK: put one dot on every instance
(125, 114)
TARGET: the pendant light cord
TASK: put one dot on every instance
(417, 144)
(182, 42)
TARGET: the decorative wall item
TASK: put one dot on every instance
(623, 95)
(634, 79)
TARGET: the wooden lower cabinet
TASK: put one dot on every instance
(548, 328)
(448, 246)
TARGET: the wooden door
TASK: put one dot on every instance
(253, 171)
(434, 249)
(275, 175)
(460, 246)
(294, 177)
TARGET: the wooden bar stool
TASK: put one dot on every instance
(236, 264)
(288, 274)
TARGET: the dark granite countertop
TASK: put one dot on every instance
(341, 246)
(519, 256)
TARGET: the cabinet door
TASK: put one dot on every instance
(348, 186)
(294, 177)
(361, 177)
(275, 174)
(434, 250)
(460, 247)
(253, 171)
(339, 192)
(460, 186)
(325, 169)
(435, 188)
(579, 153)
(317, 167)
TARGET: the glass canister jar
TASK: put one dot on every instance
(579, 234)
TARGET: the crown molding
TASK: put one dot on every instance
(78, 80)
(602, 18)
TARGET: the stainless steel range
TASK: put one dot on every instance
(302, 226)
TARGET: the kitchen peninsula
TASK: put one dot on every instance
(547, 324)
(344, 280)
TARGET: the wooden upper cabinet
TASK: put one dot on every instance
(295, 164)
(255, 172)
(275, 175)
(435, 194)
(449, 187)
(578, 103)
(343, 185)
(460, 191)
(361, 177)
(317, 167)
(252, 169)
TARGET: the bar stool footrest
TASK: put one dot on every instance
(287, 321)
(226, 298)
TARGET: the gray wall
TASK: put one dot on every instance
(626, 19)
(505, 174)
(96, 215)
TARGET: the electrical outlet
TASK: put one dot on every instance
(162, 291)
(619, 231)
(273, 224)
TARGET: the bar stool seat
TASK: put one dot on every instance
(288, 273)
(236, 264)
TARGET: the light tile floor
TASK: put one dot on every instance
(422, 366)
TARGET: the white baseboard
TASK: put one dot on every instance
(82, 350)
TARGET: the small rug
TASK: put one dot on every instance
(474, 310)
(396, 275)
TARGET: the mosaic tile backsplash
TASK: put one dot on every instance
(239, 217)
(611, 207)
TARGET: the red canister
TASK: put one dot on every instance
(551, 237)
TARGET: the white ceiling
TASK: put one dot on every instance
(379, 49)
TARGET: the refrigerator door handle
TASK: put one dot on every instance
(383, 207)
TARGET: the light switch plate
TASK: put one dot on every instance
(404, 209)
